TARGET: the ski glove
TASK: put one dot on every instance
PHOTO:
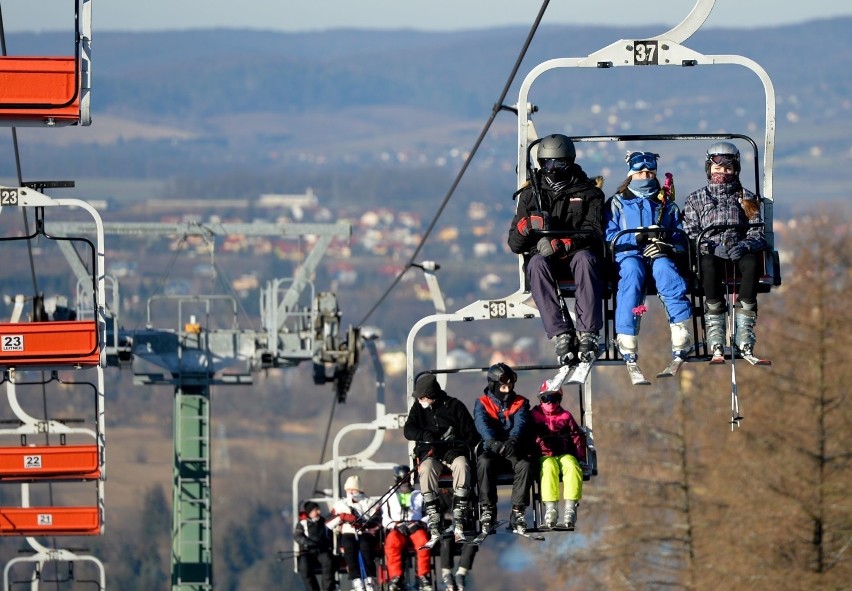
(657, 249)
(509, 447)
(529, 223)
(449, 434)
(737, 251)
(429, 436)
(496, 447)
(347, 518)
(548, 247)
(721, 251)
(406, 528)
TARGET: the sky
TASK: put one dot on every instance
(426, 15)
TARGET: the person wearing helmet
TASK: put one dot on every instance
(358, 522)
(640, 202)
(314, 542)
(724, 201)
(502, 418)
(560, 197)
(563, 451)
(444, 432)
(403, 519)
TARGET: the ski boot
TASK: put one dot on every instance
(588, 347)
(681, 339)
(424, 583)
(518, 520)
(433, 515)
(449, 582)
(628, 347)
(395, 584)
(745, 317)
(459, 513)
(566, 348)
(369, 584)
(357, 585)
(487, 518)
(714, 320)
(569, 518)
(461, 579)
(551, 513)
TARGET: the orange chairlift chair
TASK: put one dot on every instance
(49, 91)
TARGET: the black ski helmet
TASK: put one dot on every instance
(500, 373)
(401, 472)
(725, 152)
(556, 146)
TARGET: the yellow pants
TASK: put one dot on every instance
(572, 478)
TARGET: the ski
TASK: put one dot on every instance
(554, 383)
(526, 534)
(636, 375)
(431, 542)
(672, 368)
(756, 360)
(717, 360)
(482, 535)
(581, 371)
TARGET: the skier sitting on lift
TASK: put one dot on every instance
(358, 529)
(502, 418)
(444, 431)
(562, 197)
(402, 516)
(725, 201)
(640, 202)
(563, 448)
(314, 541)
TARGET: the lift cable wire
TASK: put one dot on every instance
(495, 109)
(325, 442)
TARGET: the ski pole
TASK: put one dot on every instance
(729, 297)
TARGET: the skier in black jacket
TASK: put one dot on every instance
(562, 198)
(314, 541)
(445, 434)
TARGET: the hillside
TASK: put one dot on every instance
(201, 104)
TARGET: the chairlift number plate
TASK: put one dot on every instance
(497, 309)
(12, 342)
(32, 463)
(8, 196)
(645, 53)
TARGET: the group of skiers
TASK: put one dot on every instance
(562, 220)
(503, 436)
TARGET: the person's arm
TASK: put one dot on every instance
(414, 429)
(521, 423)
(755, 239)
(594, 215)
(482, 422)
(691, 222)
(522, 232)
(578, 437)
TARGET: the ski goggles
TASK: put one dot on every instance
(642, 161)
(553, 164)
(723, 159)
(552, 397)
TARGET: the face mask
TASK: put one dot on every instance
(502, 396)
(425, 402)
(549, 407)
(722, 178)
(315, 518)
(644, 187)
(351, 497)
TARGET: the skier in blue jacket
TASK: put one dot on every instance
(640, 203)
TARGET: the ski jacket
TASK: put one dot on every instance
(357, 506)
(312, 536)
(498, 421)
(721, 204)
(402, 507)
(626, 211)
(558, 434)
(576, 207)
(444, 431)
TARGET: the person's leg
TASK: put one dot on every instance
(631, 289)
(671, 288)
(712, 276)
(349, 545)
(549, 489)
(305, 567)
(588, 308)
(424, 557)
(368, 545)
(543, 287)
(394, 544)
(572, 477)
(326, 560)
(428, 472)
(745, 311)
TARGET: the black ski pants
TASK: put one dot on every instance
(489, 465)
